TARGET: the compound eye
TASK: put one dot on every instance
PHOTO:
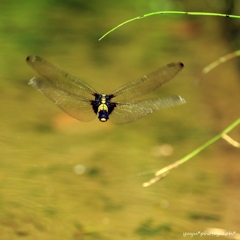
(103, 119)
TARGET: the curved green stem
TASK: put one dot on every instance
(164, 171)
(169, 12)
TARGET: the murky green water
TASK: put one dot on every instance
(64, 179)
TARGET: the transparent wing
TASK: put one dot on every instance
(60, 78)
(132, 110)
(77, 107)
(148, 82)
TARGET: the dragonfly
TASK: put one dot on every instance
(81, 101)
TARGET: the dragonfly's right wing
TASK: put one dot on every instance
(77, 107)
(60, 78)
(130, 111)
(147, 83)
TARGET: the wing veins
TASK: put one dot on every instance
(77, 107)
(130, 111)
(60, 78)
(148, 83)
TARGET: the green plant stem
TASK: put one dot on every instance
(164, 171)
(169, 12)
(199, 149)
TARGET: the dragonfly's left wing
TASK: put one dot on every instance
(77, 107)
(147, 83)
(130, 111)
(60, 78)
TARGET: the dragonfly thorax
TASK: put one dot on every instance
(103, 106)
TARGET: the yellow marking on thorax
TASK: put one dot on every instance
(103, 98)
(103, 105)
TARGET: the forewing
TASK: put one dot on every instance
(130, 111)
(60, 78)
(75, 106)
(148, 82)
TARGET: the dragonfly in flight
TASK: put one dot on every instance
(83, 102)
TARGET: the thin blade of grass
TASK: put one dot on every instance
(216, 63)
(169, 12)
(162, 172)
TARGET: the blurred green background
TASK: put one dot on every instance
(64, 179)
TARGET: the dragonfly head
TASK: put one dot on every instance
(103, 115)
